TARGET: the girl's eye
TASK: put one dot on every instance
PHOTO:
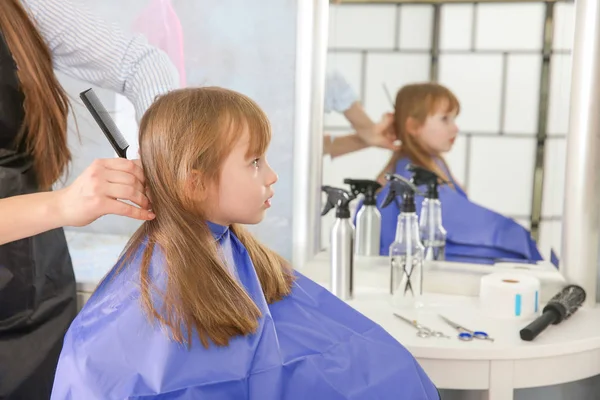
(255, 162)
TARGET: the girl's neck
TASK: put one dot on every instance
(217, 230)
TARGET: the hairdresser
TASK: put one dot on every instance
(37, 283)
(340, 97)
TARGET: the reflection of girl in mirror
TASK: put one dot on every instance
(340, 97)
(197, 307)
(425, 123)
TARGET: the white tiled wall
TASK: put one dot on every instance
(491, 58)
(392, 70)
(560, 90)
(457, 159)
(556, 150)
(509, 27)
(418, 18)
(476, 79)
(456, 29)
(347, 28)
(501, 173)
(522, 94)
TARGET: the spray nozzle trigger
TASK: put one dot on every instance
(423, 176)
(367, 187)
(400, 186)
(339, 198)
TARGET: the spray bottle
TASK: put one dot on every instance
(406, 252)
(368, 219)
(342, 241)
(433, 234)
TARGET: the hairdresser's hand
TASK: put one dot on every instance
(95, 192)
(381, 134)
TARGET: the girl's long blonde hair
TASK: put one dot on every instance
(186, 132)
(43, 134)
(418, 101)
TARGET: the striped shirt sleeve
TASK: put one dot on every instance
(339, 95)
(85, 47)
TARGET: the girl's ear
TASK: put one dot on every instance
(196, 186)
(412, 126)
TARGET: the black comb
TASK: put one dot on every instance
(106, 123)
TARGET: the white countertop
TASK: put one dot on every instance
(580, 333)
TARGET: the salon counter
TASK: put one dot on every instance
(563, 353)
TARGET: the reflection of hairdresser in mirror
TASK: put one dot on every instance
(340, 97)
(425, 123)
(37, 283)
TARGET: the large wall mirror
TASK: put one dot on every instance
(507, 63)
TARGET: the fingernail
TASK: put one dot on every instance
(151, 215)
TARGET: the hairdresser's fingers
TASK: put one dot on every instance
(385, 124)
(388, 131)
(126, 192)
(148, 195)
(390, 134)
(390, 145)
(386, 142)
(124, 178)
(127, 210)
(387, 119)
(114, 163)
(139, 164)
(92, 194)
(103, 173)
(124, 165)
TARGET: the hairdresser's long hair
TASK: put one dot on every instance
(43, 134)
(418, 101)
(185, 132)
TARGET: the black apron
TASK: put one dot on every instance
(37, 283)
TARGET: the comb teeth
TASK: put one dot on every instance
(105, 121)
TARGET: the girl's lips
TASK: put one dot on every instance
(268, 201)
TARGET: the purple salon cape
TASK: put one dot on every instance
(310, 345)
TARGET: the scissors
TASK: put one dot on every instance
(467, 334)
(422, 331)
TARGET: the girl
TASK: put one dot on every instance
(425, 124)
(199, 309)
(37, 295)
